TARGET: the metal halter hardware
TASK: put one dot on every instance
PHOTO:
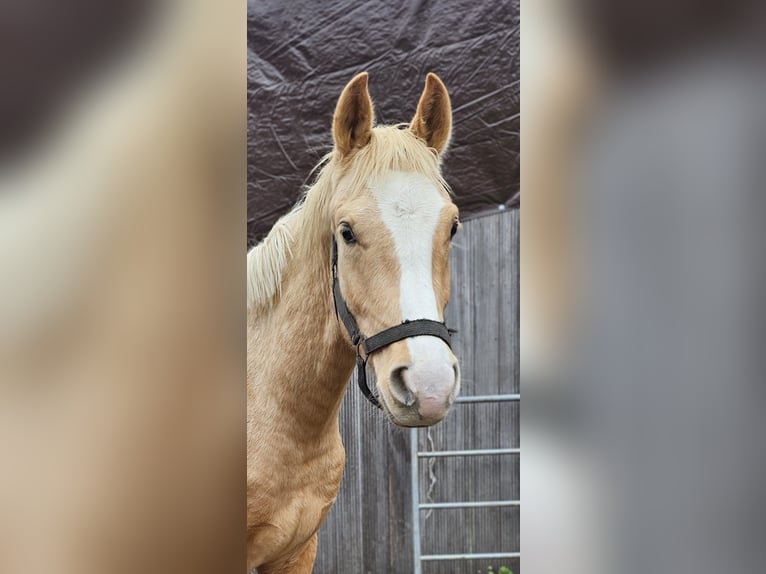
(369, 345)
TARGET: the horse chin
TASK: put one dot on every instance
(411, 420)
(408, 417)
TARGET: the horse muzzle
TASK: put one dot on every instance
(421, 391)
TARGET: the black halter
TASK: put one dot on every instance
(369, 345)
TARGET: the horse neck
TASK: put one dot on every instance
(311, 362)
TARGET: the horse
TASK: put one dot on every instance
(358, 271)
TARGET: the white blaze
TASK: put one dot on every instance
(410, 205)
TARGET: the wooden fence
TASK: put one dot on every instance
(369, 530)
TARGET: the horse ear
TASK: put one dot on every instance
(352, 124)
(433, 119)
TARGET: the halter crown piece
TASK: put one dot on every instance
(365, 346)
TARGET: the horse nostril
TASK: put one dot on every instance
(399, 388)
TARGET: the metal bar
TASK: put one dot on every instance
(477, 452)
(488, 398)
(415, 487)
(476, 504)
(483, 556)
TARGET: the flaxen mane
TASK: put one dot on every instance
(391, 148)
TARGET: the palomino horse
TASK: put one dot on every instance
(359, 268)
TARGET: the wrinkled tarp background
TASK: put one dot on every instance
(301, 53)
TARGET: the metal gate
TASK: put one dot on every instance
(417, 507)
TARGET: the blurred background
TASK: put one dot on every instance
(641, 280)
(122, 286)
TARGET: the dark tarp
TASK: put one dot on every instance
(301, 53)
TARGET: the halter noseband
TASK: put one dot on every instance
(369, 345)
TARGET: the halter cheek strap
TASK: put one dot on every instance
(365, 346)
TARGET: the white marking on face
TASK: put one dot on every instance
(410, 205)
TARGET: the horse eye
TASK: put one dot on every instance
(454, 228)
(348, 235)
